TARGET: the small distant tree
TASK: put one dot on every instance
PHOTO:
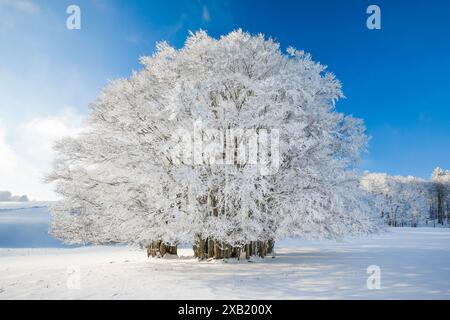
(225, 143)
(5, 196)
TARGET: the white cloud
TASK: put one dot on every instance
(27, 6)
(37, 135)
(26, 153)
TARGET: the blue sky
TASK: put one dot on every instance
(396, 78)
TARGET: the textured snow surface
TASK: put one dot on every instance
(414, 262)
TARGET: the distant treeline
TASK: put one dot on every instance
(411, 201)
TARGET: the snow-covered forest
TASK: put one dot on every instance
(410, 201)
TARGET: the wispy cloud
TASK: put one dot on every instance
(26, 6)
(172, 30)
(206, 17)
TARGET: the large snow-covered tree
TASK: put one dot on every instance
(225, 143)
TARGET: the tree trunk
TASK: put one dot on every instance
(212, 249)
(217, 250)
(262, 248)
(248, 251)
(228, 251)
(270, 246)
(172, 250)
(160, 249)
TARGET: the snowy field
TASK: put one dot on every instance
(414, 262)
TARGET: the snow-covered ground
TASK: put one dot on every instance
(414, 263)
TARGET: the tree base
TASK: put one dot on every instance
(211, 249)
(160, 249)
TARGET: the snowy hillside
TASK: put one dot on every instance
(11, 205)
(414, 263)
(25, 224)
